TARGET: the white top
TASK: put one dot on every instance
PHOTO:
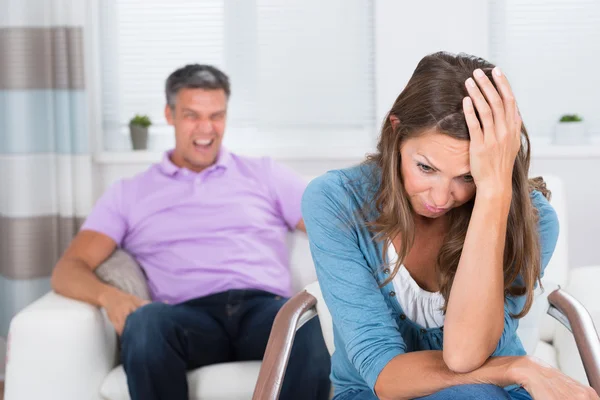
(419, 305)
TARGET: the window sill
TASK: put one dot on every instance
(152, 156)
(541, 149)
(565, 152)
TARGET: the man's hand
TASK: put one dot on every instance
(300, 226)
(119, 305)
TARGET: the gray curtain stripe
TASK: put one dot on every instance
(41, 58)
(31, 246)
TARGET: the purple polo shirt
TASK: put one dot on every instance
(196, 234)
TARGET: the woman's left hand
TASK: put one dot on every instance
(544, 382)
(495, 141)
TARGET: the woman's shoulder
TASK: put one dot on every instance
(548, 224)
(546, 213)
(350, 186)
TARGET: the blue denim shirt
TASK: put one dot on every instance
(369, 325)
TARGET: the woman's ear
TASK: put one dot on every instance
(395, 121)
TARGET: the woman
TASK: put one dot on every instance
(428, 253)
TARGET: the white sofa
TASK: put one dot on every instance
(61, 349)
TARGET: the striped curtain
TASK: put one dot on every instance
(45, 162)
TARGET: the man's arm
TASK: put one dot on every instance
(74, 275)
(300, 226)
(287, 187)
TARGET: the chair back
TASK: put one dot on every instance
(557, 270)
(537, 325)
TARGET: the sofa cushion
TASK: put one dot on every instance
(537, 325)
(546, 353)
(123, 272)
(227, 381)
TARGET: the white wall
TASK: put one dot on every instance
(407, 31)
(402, 38)
(106, 173)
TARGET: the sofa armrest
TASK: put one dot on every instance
(59, 348)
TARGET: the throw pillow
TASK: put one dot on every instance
(122, 271)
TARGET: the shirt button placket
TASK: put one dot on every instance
(198, 184)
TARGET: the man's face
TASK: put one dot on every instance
(199, 121)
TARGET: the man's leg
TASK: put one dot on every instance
(161, 342)
(307, 374)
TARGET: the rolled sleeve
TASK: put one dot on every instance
(548, 229)
(352, 294)
(107, 216)
(287, 188)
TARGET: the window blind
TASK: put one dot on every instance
(548, 49)
(302, 71)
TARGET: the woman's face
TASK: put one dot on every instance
(436, 173)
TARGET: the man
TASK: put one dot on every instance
(208, 228)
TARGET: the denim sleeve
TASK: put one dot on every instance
(548, 229)
(359, 311)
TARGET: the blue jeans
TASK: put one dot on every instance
(461, 392)
(161, 342)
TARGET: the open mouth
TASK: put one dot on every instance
(203, 144)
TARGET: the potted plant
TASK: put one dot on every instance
(138, 128)
(570, 129)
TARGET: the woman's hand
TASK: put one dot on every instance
(496, 141)
(545, 382)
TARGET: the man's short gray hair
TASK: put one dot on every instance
(195, 76)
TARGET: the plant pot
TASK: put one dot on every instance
(139, 137)
(570, 133)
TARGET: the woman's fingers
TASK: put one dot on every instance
(472, 122)
(494, 101)
(483, 108)
(508, 97)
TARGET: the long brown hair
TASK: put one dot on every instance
(432, 99)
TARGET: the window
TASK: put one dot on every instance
(548, 49)
(302, 71)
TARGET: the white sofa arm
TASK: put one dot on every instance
(59, 349)
(583, 285)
